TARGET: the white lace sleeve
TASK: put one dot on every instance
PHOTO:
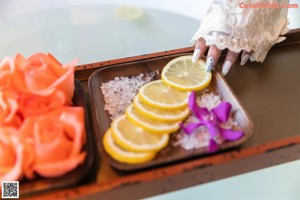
(229, 24)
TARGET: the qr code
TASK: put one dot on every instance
(10, 189)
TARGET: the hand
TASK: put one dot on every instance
(213, 56)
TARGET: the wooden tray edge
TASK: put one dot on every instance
(169, 171)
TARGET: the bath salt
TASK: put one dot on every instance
(201, 136)
(195, 140)
(208, 100)
(119, 92)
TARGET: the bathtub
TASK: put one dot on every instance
(93, 30)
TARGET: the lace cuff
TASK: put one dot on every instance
(229, 24)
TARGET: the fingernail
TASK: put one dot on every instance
(209, 64)
(226, 67)
(196, 55)
(245, 58)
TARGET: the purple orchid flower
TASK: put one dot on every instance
(211, 119)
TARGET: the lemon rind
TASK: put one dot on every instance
(123, 156)
(149, 128)
(155, 116)
(130, 146)
(156, 104)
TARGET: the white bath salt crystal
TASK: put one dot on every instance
(206, 90)
(229, 124)
(208, 100)
(198, 139)
(140, 76)
(119, 92)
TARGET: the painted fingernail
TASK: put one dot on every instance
(196, 55)
(226, 67)
(209, 64)
(245, 58)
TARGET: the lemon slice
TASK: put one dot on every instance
(150, 125)
(158, 113)
(129, 13)
(181, 73)
(133, 138)
(122, 155)
(159, 95)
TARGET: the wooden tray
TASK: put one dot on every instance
(170, 154)
(74, 177)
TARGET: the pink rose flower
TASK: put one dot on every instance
(32, 105)
(11, 155)
(6, 71)
(41, 74)
(8, 109)
(57, 139)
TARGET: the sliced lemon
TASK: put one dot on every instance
(133, 138)
(159, 95)
(181, 73)
(129, 13)
(150, 125)
(122, 155)
(158, 113)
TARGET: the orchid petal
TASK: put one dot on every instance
(222, 111)
(231, 135)
(193, 106)
(213, 130)
(213, 146)
(190, 127)
(202, 112)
